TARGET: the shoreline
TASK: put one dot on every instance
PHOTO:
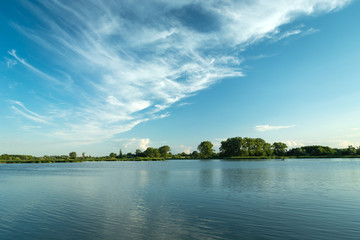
(101, 159)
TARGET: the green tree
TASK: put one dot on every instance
(112, 155)
(72, 155)
(151, 152)
(232, 147)
(205, 149)
(244, 147)
(268, 149)
(164, 150)
(138, 153)
(195, 154)
(261, 148)
(279, 148)
(120, 154)
(184, 154)
(351, 150)
(318, 150)
(358, 150)
(296, 152)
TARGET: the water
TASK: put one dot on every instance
(188, 199)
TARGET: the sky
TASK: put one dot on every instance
(98, 76)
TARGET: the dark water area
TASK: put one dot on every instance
(182, 199)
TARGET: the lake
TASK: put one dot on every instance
(182, 199)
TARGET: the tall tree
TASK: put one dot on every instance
(268, 149)
(245, 147)
(261, 148)
(195, 154)
(72, 155)
(351, 150)
(279, 148)
(164, 150)
(205, 149)
(138, 153)
(358, 150)
(151, 152)
(232, 147)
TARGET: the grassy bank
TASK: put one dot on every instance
(290, 157)
(69, 160)
(13, 159)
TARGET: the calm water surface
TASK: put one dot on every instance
(189, 199)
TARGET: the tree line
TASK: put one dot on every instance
(242, 148)
(150, 152)
(236, 147)
(257, 148)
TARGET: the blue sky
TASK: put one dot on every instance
(97, 76)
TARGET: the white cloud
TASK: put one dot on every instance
(134, 59)
(344, 144)
(32, 68)
(29, 128)
(260, 56)
(310, 31)
(334, 142)
(293, 32)
(263, 128)
(131, 144)
(289, 33)
(294, 144)
(337, 142)
(10, 62)
(220, 139)
(182, 148)
(183, 104)
(217, 142)
(27, 113)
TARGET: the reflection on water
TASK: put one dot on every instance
(207, 178)
(295, 199)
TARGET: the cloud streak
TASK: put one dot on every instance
(264, 128)
(32, 68)
(129, 61)
(22, 110)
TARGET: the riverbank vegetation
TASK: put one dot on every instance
(231, 148)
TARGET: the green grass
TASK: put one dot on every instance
(30, 159)
(69, 160)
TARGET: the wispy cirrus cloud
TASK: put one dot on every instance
(129, 61)
(263, 128)
(299, 31)
(32, 68)
(10, 62)
(22, 110)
